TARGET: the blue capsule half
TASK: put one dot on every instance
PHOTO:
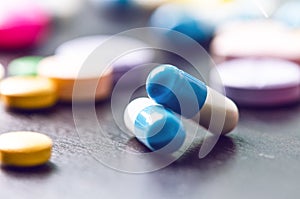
(289, 14)
(177, 18)
(177, 90)
(153, 125)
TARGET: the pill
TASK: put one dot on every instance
(82, 47)
(188, 96)
(2, 71)
(24, 149)
(72, 85)
(24, 66)
(153, 125)
(289, 14)
(22, 24)
(258, 82)
(259, 38)
(175, 17)
(26, 92)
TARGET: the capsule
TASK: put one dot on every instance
(188, 96)
(155, 126)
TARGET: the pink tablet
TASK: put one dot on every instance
(22, 24)
(263, 38)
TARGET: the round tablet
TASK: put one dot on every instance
(256, 39)
(94, 83)
(24, 66)
(258, 82)
(2, 71)
(82, 47)
(24, 149)
(22, 24)
(28, 93)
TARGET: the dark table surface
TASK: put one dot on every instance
(260, 159)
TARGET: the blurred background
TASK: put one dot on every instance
(226, 29)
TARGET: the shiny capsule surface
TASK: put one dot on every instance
(154, 126)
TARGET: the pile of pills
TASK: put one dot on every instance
(36, 83)
(172, 91)
(257, 65)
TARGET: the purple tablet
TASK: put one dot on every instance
(258, 82)
(80, 48)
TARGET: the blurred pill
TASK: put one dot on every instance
(92, 83)
(2, 71)
(263, 38)
(22, 24)
(24, 66)
(29, 93)
(24, 149)
(289, 13)
(176, 17)
(258, 82)
(107, 4)
(82, 47)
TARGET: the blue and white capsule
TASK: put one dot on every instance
(188, 96)
(155, 126)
